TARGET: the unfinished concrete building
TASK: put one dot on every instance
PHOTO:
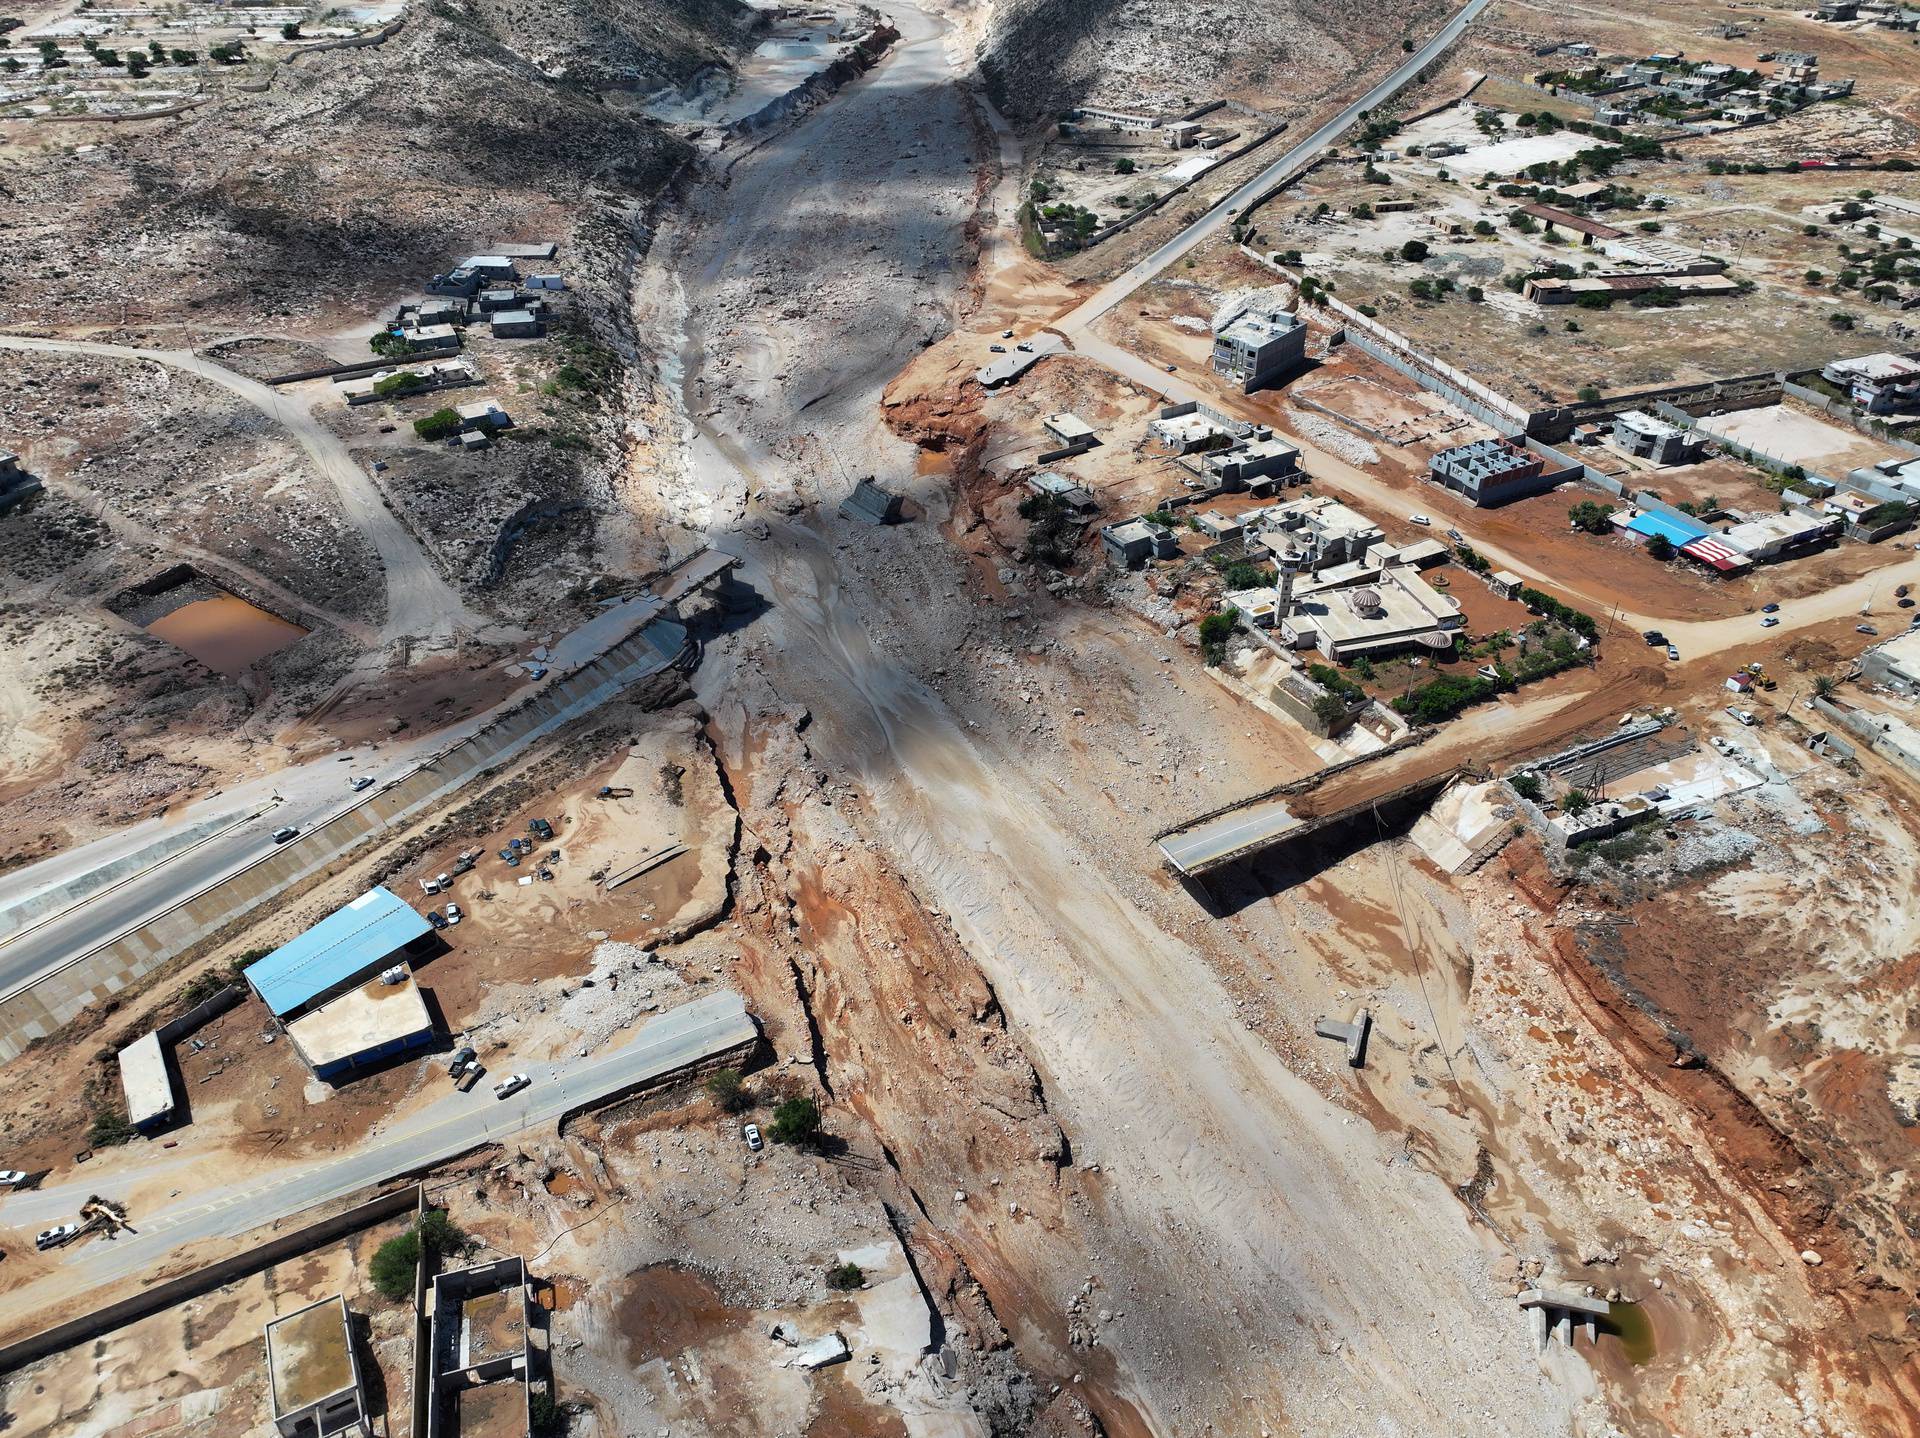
(314, 1374)
(1642, 434)
(479, 1364)
(1490, 471)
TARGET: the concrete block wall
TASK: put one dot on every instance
(47, 1005)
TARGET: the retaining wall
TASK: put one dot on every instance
(52, 1001)
(204, 1280)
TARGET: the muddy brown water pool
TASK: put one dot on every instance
(225, 633)
(664, 1309)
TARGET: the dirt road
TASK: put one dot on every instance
(420, 604)
(1343, 1288)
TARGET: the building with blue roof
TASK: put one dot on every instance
(375, 931)
(1677, 531)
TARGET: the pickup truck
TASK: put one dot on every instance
(470, 1076)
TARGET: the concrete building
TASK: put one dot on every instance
(376, 931)
(1877, 383)
(480, 1353)
(1894, 662)
(1319, 533)
(1849, 505)
(313, 1373)
(1398, 611)
(416, 313)
(464, 284)
(1067, 428)
(1131, 544)
(363, 1028)
(147, 1083)
(1765, 537)
(1216, 525)
(1836, 10)
(1490, 471)
(431, 339)
(1187, 428)
(1640, 433)
(1180, 134)
(1902, 474)
(1118, 119)
(484, 414)
(516, 325)
(546, 282)
(491, 268)
(506, 297)
(1079, 500)
(1252, 463)
(1662, 256)
(1256, 343)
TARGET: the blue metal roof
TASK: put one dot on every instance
(342, 946)
(1675, 531)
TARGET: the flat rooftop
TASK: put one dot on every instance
(145, 1080)
(310, 1355)
(493, 1410)
(360, 1020)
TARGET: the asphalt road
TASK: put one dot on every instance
(452, 1125)
(1296, 159)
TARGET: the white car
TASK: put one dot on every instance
(11, 1178)
(1767, 621)
(358, 782)
(1419, 519)
(751, 1133)
(510, 1085)
(55, 1236)
(454, 915)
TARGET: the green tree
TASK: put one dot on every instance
(384, 343)
(845, 1277)
(1413, 250)
(1659, 547)
(1123, 166)
(396, 1261)
(1824, 686)
(796, 1121)
(290, 30)
(1591, 516)
(1587, 394)
(438, 425)
(1527, 786)
(544, 1415)
(728, 1090)
(1215, 631)
(1576, 802)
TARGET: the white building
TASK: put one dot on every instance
(1396, 611)
(1256, 342)
(1878, 383)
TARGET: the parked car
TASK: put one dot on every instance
(510, 1085)
(1864, 629)
(1006, 334)
(1172, 367)
(11, 1178)
(1742, 715)
(1024, 348)
(751, 1133)
(998, 349)
(1769, 609)
(1767, 621)
(53, 1237)
(454, 915)
(475, 1072)
(1654, 638)
(1456, 536)
(436, 918)
(1902, 591)
(462, 1058)
(280, 836)
(1419, 519)
(1903, 603)
(379, 466)
(357, 782)
(540, 829)
(1672, 653)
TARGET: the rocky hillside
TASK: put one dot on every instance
(355, 171)
(1043, 57)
